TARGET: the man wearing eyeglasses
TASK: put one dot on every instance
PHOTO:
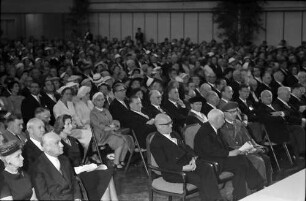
(170, 153)
(119, 108)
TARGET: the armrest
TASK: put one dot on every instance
(180, 173)
(214, 164)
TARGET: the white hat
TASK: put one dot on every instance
(117, 56)
(71, 84)
(179, 79)
(74, 78)
(19, 65)
(210, 54)
(37, 59)
(106, 78)
(83, 91)
(97, 78)
(99, 63)
(231, 60)
(61, 89)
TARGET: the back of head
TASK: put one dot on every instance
(216, 118)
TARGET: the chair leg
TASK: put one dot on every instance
(144, 162)
(150, 195)
(287, 152)
(128, 163)
(274, 156)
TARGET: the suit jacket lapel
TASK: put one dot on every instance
(54, 171)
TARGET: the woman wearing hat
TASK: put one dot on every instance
(106, 130)
(84, 106)
(65, 106)
(15, 184)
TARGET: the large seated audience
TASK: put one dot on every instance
(57, 95)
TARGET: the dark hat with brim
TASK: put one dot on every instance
(229, 106)
(195, 99)
(9, 148)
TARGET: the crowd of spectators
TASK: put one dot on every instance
(109, 84)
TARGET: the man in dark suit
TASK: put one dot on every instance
(278, 79)
(226, 96)
(295, 98)
(209, 146)
(50, 98)
(139, 122)
(212, 102)
(195, 115)
(293, 118)
(32, 148)
(53, 176)
(247, 108)
(235, 83)
(154, 107)
(14, 130)
(274, 122)
(31, 102)
(175, 108)
(265, 85)
(170, 153)
(119, 107)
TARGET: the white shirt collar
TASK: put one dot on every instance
(54, 161)
(295, 96)
(140, 113)
(156, 106)
(100, 109)
(174, 103)
(229, 121)
(224, 100)
(282, 101)
(242, 100)
(174, 140)
(201, 115)
(211, 105)
(37, 143)
(216, 130)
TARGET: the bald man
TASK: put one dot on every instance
(208, 145)
(294, 119)
(170, 153)
(212, 102)
(53, 176)
(32, 148)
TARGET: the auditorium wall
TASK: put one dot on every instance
(158, 19)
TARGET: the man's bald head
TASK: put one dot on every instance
(204, 89)
(163, 123)
(266, 97)
(284, 93)
(213, 98)
(216, 118)
(51, 143)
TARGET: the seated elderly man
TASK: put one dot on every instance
(14, 130)
(32, 148)
(209, 146)
(53, 177)
(170, 153)
(235, 135)
(295, 120)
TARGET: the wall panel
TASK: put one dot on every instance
(274, 27)
(94, 24)
(293, 29)
(205, 27)
(261, 35)
(126, 25)
(163, 26)
(191, 26)
(304, 27)
(177, 25)
(34, 25)
(151, 26)
(115, 28)
(104, 26)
